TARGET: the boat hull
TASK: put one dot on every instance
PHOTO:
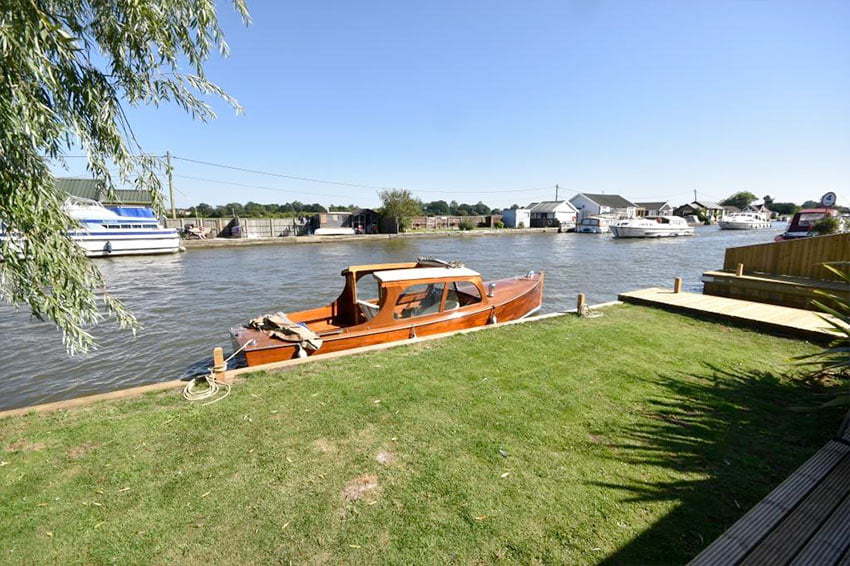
(640, 232)
(513, 299)
(114, 244)
(725, 225)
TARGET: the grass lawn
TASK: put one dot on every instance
(636, 437)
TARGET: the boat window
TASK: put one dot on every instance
(419, 300)
(461, 294)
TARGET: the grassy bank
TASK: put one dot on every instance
(636, 437)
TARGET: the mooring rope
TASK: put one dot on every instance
(213, 386)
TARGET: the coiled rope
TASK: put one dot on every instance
(192, 392)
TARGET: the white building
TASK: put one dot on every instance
(589, 204)
(517, 217)
(553, 213)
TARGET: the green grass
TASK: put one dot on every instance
(637, 437)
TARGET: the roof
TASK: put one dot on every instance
(423, 273)
(611, 201)
(94, 190)
(551, 206)
(706, 204)
(652, 205)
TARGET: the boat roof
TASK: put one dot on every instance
(423, 273)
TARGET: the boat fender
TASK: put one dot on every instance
(302, 351)
(492, 319)
(108, 247)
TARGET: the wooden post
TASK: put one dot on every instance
(271, 227)
(740, 271)
(580, 303)
(219, 366)
(677, 285)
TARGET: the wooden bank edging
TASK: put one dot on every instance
(276, 366)
(293, 240)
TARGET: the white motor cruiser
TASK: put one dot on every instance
(594, 225)
(744, 221)
(652, 227)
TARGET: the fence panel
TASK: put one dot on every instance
(801, 257)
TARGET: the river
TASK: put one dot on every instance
(187, 302)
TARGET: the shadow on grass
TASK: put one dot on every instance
(735, 437)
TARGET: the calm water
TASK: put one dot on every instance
(187, 302)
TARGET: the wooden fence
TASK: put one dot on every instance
(803, 257)
(243, 227)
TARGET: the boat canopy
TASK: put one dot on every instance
(423, 273)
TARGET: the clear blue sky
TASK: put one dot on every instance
(647, 99)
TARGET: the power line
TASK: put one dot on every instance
(262, 187)
(351, 184)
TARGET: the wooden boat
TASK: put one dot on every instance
(403, 300)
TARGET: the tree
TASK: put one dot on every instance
(437, 208)
(67, 67)
(400, 205)
(740, 200)
(784, 208)
(203, 210)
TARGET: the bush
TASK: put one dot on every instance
(466, 225)
(500, 224)
(521, 225)
(826, 225)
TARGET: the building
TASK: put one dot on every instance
(552, 213)
(654, 208)
(365, 221)
(601, 204)
(516, 217)
(710, 210)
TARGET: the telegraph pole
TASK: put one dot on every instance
(695, 195)
(170, 183)
(556, 191)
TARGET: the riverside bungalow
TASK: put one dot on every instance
(516, 217)
(654, 208)
(553, 213)
(710, 210)
(589, 204)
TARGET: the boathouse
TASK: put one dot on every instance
(589, 204)
(552, 213)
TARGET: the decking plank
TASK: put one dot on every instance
(758, 314)
(787, 538)
(735, 543)
(832, 540)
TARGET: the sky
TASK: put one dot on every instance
(499, 101)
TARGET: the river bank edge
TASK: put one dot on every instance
(292, 240)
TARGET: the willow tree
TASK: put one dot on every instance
(67, 70)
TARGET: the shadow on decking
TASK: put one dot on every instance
(736, 435)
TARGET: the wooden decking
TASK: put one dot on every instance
(784, 320)
(806, 520)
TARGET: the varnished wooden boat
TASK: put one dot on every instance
(413, 299)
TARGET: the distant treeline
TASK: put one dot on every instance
(297, 208)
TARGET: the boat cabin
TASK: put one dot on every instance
(381, 294)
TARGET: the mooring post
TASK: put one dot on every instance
(677, 285)
(740, 271)
(220, 366)
(580, 304)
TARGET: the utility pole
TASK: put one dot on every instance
(170, 183)
(556, 191)
(695, 195)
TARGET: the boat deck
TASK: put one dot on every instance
(784, 320)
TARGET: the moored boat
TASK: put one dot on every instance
(101, 231)
(390, 302)
(744, 221)
(652, 227)
(594, 225)
(802, 225)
